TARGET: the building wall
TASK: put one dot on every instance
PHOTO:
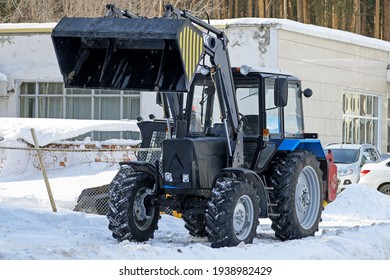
(330, 68)
(330, 62)
(25, 54)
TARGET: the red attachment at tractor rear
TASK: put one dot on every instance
(332, 178)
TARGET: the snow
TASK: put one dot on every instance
(50, 131)
(355, 226)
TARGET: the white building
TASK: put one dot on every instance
(348, 74)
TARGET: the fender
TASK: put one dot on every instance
(255, 179)
(141, 166)
(312, 145)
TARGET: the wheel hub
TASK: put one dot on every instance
(307, 197)
(139, 206)
(243, 217)
(239, 217)
(304, 197)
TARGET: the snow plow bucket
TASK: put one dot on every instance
(128, 53)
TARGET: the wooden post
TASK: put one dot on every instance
(43, 168)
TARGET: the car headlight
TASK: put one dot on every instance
(344, 172)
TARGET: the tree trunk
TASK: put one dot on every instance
(386, 21)
(285, 5)
(261, 8)
(267, 8)
(335, 18)
(377, 19)
(300, 11)
(305, 12)
(230, 9)
(356, 7)
(250, 8)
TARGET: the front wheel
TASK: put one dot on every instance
(232, 213)
(130, 215)
(296, 196)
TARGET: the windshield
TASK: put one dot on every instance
(346, 156)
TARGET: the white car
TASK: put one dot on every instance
(376, 176)
(349, 158)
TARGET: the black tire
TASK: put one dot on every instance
(232, 213)
(298, 194)
(385, 188)
(195, 224)
(128, 216)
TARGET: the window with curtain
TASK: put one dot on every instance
(51, 100)
(360, 118)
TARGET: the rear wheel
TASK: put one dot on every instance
(296, 196)
(385, 189)
(130, 215)
(232, 213)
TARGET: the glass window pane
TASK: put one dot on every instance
(106, 135)
(363, 105)
(50, 107)
(131, 108)
(50, 88)
(107, 108)
(362, 134)
(27, 88)
(348, 103)
(355, 105)
(78, 108)
(27, 107)
(362, 127)
(369, 105)
(107, 91)
(375, 106)
(131, 135)
(78, 91)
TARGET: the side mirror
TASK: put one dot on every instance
(307, 93)
(281, 92)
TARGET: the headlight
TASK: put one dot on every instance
(168, 177)
(185, 178)
(345, 172)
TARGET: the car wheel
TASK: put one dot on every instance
(385, 189)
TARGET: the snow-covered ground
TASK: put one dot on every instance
(354, 227)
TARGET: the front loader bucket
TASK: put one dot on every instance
(128, 53)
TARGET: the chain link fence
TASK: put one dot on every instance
(75, 174)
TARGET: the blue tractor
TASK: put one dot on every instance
(235, 148)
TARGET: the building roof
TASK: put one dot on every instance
(307, 29)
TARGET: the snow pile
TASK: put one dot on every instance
(50, 131)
